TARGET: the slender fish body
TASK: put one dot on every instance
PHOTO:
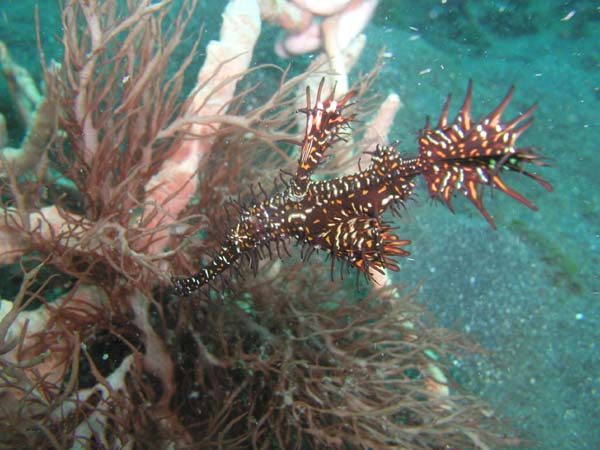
(344, 216)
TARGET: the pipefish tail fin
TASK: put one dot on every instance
(465, 156)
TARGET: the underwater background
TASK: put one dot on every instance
(528, 292)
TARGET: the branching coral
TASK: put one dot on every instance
(94, 353)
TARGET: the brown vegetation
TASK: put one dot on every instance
(95, 352)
